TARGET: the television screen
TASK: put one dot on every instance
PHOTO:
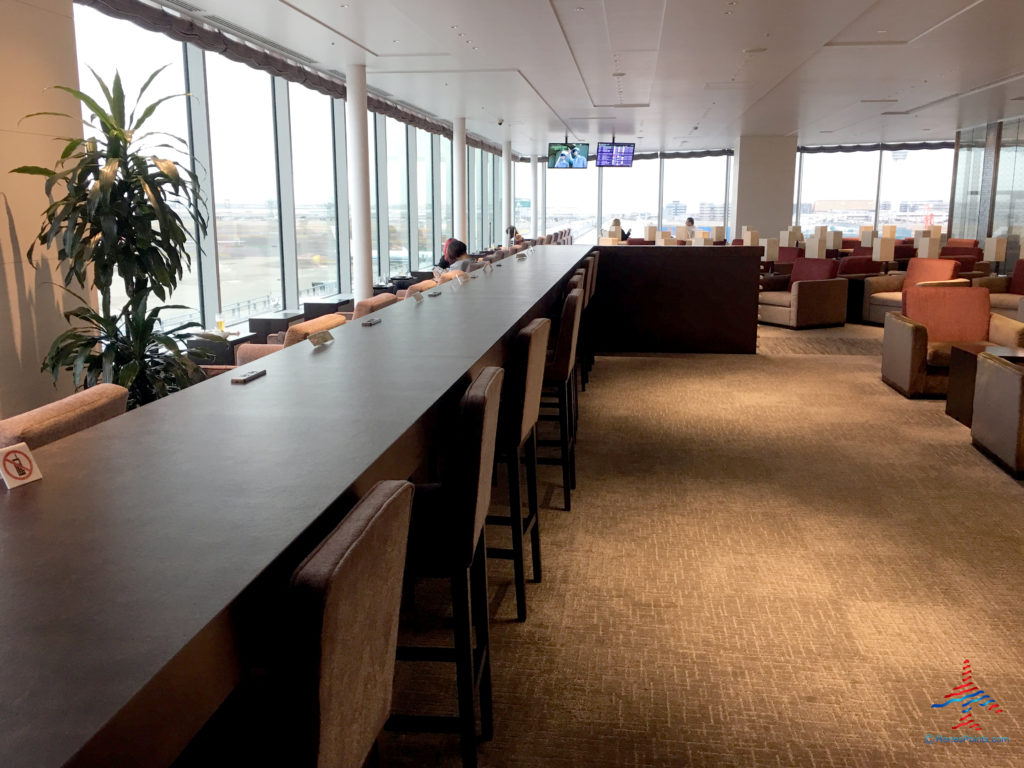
(568, 155)
(611, 155)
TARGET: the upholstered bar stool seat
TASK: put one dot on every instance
(65, 417)
(373, 304)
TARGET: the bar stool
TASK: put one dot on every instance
(446, 540)
(345, 600)
(517, 429)
(586, 339)
(557, 392)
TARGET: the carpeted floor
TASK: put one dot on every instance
(772, 560)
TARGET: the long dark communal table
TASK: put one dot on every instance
(135, 572)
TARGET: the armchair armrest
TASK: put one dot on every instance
(994, 283)
(904, 354)
(819, 302)
(1005, 331)
(880, 284)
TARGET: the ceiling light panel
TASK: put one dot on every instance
(901, 21)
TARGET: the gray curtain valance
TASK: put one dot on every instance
(895, 147)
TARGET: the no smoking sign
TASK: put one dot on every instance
(17, 466)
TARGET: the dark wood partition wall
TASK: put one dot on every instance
(675, 299)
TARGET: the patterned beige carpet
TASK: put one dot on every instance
(772, 560)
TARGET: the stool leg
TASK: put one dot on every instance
(482, 621)
(532, 504)
(564, 434)
(516, 518)
(463, 630)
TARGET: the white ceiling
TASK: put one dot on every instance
(667, 74)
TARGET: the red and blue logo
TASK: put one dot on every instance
(969, 697)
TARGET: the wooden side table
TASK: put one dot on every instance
(963, 367)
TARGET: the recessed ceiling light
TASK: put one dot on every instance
(1017, 98)
(462, 34)
(469, 42)
(882, 31)
(754, 50)
(454, 26)
(878, 101)
(579, 8)
(394, 41)
(727, 13)
(476, 48)
(618, 74)
(926, 129)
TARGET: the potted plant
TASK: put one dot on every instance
(118, 213)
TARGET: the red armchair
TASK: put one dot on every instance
(811, 296)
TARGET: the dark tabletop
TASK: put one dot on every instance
(145, 527)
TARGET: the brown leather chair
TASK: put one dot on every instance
(446, 540)
(344, 603)
(68, 415)
(517, 430)
(558, 392)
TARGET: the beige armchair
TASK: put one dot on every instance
(916, 345)
(884, 293)
(422, 285)
(372, 304)
(65, 417)
(1006, 293)
(812, 296)
(247, 353)
(998, 426)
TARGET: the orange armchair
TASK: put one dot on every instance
(247, 353)
(916, 345)
(884, 293)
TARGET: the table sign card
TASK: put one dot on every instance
(995, 249)
(771, 248)
(700, 239)
(936, 231)
(666, 240)
(17, 466)
(463, 278)
(320, 337)
(718, 233)
(834, 239)
(751, 237)
(867, 236)
(417, 296)
(815, 248)
(820, 231)
(883, 249)
(650, 233)
(889, 230)
(788, 238)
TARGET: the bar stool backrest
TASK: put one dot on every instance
(372, 304)
(468, 484)
(564, 358)
(68, 415)
(524, 379)
(344, 601)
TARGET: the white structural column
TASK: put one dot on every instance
(534, 199)
(762, 184)
(506, 177)
(459, 178)
(359, 181)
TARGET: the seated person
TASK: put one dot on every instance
(513, 234)
(454, 251)
(624, 232)
(690, 228)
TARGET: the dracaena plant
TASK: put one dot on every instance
(119, 212)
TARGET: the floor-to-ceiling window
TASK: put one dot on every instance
(398, 197)
(245, 187)
(487, 239)
(572, 202)
(136, 56)
(914, 189)
(838, 190)
(475, 217)
(967, 195)
(424, 200)
(371, 133)
(522, 201)
(316, 236)
(446, 200)
(694, 187)
(629, 195)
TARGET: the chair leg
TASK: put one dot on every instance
(531, 499)
(564, 437)
(516, 518)
(373, 759)
(463, 630)
(481, 616)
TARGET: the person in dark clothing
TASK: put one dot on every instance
(454, 251)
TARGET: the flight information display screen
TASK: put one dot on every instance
(612, 155)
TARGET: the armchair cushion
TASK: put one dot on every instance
(775, 298)
(247, 353)
(302, 331)
(813, 269)
(950, 313)
(68, 415)
(961, 242)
